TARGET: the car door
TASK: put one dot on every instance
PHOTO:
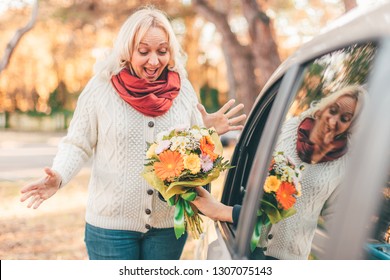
(290, 95)
(221, 241)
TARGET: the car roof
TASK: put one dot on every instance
(358, 25)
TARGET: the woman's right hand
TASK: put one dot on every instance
(41, 189)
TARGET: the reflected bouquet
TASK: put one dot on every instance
(178, 161)
(281, 189)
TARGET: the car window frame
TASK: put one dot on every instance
(351, 215)
(231, 188)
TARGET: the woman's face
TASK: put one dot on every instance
(336, 118)
(152, 55)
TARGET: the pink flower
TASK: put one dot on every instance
(205, 162)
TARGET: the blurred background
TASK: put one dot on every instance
(47, 52)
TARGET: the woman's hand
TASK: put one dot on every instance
(41, 189)
(223, 120)
(212, 208)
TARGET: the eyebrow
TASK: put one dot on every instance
(163, 43)
(338, 107)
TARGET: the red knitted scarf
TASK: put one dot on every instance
(150, 98)
(305, 147)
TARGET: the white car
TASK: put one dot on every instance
(355, 49)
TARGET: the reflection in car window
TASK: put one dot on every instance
(316, 136)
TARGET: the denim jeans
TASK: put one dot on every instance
(156, 244)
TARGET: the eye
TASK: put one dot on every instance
(346, 118)
(163, 51)
(143, 52)
(333, 110)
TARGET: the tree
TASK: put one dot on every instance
(251, 65)
(18, 35)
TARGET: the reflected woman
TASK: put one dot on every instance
(318, 139)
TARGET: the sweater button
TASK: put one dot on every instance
(150, 124)
(270, 236)
(147, 226)
(149, 192)
(147, 211)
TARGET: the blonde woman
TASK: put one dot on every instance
(139, 90)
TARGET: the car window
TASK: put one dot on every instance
(234, 188)
(311, 153)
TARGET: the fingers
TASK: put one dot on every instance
(238, 119)
(38, 203)
(236, 127)
(31, 186)
(33, 200)
(49, 172)
(226, 106)
(235, 110)
(201, 109)
(201, 191)
(27, 195)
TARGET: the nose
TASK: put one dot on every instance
(153, 59)
(333, 122)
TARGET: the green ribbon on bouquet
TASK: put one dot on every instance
(182, 209)
(261, 221)
(268, 214)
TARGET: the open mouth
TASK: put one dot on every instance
(150, 72)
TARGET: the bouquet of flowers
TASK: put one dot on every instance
(177, 162)
(281, 188)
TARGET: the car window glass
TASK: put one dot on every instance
(234, 188)
(310, 154)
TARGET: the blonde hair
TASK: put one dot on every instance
(355, 91)
(129, 37)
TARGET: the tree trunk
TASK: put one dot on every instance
(18, 35)
(263, 45)
(250, 66)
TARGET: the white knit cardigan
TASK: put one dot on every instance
(115, 135)
(291, 238)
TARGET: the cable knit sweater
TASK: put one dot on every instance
(115, 135)
(291, 238)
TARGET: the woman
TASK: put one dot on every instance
(139, 90)
(318, 139)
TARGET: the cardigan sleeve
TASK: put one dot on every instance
(77, 146)
(196, 117)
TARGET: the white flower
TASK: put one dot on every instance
(204, 132)
(196, 134)
(179, 142)
(279, 158)
(162, 146)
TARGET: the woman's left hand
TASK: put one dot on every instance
(223, 120)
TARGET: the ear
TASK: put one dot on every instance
(318, 114)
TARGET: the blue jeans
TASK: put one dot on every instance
(110, 244)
